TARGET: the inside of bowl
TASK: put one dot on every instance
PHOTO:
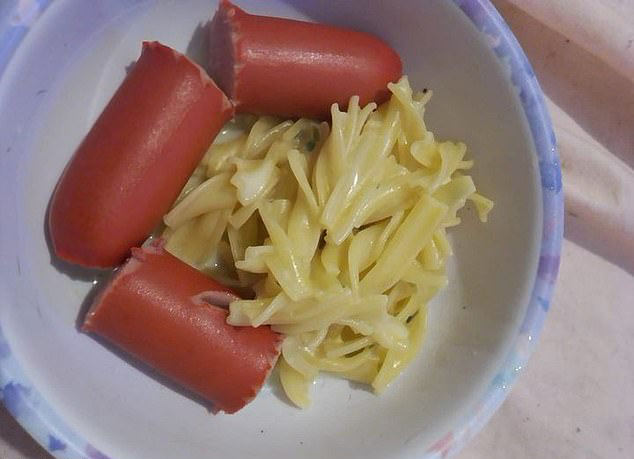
(57, 84)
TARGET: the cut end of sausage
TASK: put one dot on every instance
(214, 298)
(206, 80)
(90, 322)
(272, 358)
(223, 33)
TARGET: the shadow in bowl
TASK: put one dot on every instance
(197, 48)
(152, 373)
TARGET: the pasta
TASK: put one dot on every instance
(340, 230)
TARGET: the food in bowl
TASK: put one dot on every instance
(334, 233)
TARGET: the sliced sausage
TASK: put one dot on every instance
(284, 67)
(138, 155)
(160, 310)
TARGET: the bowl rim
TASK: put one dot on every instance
(36, 416)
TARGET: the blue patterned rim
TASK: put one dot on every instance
(25, 403)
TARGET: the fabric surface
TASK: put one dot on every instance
(572, 401)
(583, 55)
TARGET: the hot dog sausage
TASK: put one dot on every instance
(158, 309)
(291, 68)
(136, 158)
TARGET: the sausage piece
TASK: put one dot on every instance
(138, 155)
(159, 309)
(291, 68)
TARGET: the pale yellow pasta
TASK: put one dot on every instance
(483, 206)
(332, 257)
(254, 178)
(339, 230)
(299, 165)
(360, 252)
(440, 238)
(397, 359)
(212, 194)
(410, 238)
(295, 385)
(263, 133)
(219, 157)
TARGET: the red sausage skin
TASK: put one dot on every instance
(155, 310)
(136, 158)
(291, 68)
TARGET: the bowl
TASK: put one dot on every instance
(61, 61)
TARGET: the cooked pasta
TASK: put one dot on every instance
(340, 231)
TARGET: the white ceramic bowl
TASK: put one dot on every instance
(80, 400)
